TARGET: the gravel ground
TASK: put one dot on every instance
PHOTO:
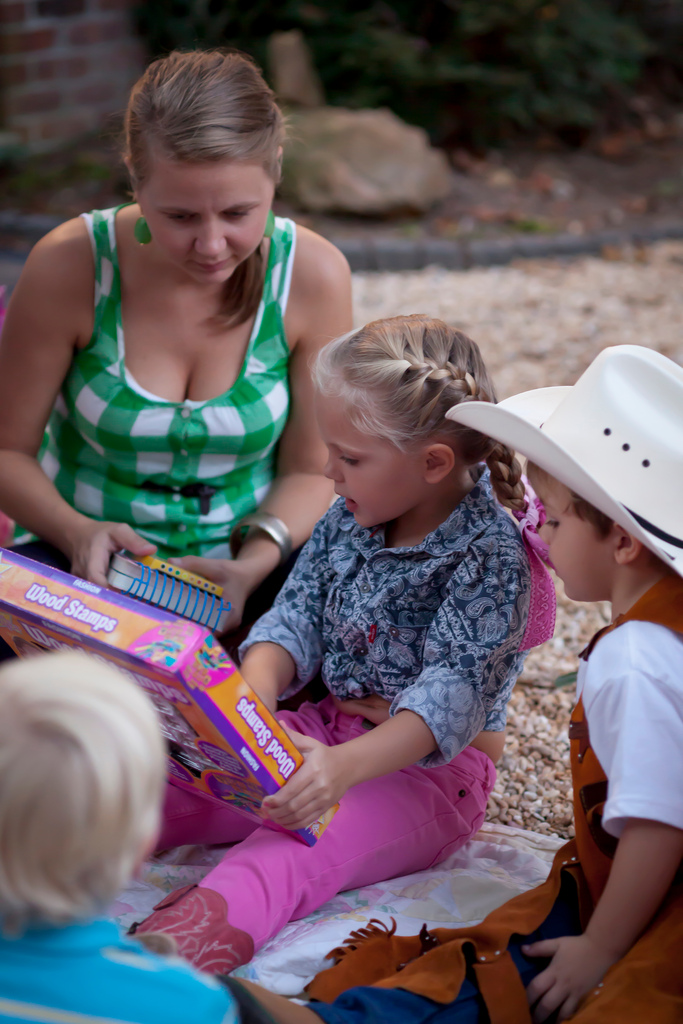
(541, 323)
(533, 789)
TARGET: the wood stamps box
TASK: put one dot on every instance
(222, 740)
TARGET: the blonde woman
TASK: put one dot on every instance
(165, 345)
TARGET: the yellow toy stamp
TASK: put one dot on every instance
(181, 574)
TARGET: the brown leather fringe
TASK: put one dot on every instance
(374, 928)
(427, 942)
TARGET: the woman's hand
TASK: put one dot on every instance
(236, 578)
(373, 708)
(94, 543)
(578, 964)
(317, 785)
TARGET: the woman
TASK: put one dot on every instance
(179, 402)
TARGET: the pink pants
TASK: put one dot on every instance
(386, 827)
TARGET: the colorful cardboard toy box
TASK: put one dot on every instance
(222, 740)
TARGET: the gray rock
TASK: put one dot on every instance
(292, 73)
(366, 162)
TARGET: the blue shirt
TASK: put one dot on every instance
(89, 972)
(435, 628)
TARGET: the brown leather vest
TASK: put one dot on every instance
(646, 985)
(662, 604)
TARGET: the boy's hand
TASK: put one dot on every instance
(577, 966)
(317, 785)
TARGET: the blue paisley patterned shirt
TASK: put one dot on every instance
(435, 628)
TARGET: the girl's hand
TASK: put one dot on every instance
(234, 576)
(316, 786)
(96, 542)
(576, 967)
(374, 708)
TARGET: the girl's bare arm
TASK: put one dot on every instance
(268, 669)
(376, 710)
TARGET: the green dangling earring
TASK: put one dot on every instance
(141, 231)
(270, 225)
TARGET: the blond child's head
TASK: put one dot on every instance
(396, 378)
(81, 777)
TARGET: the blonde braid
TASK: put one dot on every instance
(456, 385)
(399, 377)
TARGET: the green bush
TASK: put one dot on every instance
(662, 23)
(467, 70)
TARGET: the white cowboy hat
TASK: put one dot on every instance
(615, 438)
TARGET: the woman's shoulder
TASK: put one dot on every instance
(60, 269)
(320, 301)
(67, 242)
(318, 263)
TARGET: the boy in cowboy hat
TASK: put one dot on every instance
(601, 939)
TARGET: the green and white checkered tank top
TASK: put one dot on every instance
(180, 473)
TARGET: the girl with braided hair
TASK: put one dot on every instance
(411, 602)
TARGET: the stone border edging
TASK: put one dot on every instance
(31, 225)
(393, 254)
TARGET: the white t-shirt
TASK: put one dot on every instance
(632, 688)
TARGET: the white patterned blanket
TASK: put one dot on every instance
(497, 863)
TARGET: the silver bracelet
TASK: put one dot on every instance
(271, 525)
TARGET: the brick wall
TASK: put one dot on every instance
(65, 67)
